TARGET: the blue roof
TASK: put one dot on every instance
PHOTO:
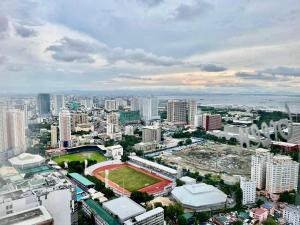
(268, 205)
(81, 179)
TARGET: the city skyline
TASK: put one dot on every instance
(154, 45)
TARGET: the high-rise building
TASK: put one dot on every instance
(54, 142)
(198, 120)
(110, 105)
(212, 122)
(291, 214)
(112, 126)
(58, 103)
(130, 117)
(258, 167)
(3, 135)
(249, 191)
(134, 104)
(78, 118)
(148, 107)
(16, 137)
(191, 112)
(65, 129)
(282, 174)
(295, 137)
(177, 112)
(43, 104)
(151, 134)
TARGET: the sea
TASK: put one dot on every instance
(246, 101)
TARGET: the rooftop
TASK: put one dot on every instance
(101, 212)
(81, 179)
(124, 208)
(199, 195)
(154, 164)
(26, 158)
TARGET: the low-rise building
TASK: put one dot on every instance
(199, 197)
(26, 160)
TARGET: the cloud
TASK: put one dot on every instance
(75, 50)
(4, 27)
(255, 76)
(3, 59)
(285, 71)
(14, 68)
(213, 68)
(150, 3)
(190, 11)
(25, 32)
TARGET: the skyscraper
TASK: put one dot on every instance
(110, 105)
(65, 129)
(151, 133)
(148, 107)
(191, 112)
(58, 103)
(249, 191)
(258, 167)
(112, 126)
(16, 131)
(43, 104)
(177, 112)
(3, 134)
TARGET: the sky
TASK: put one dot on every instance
(207, 46)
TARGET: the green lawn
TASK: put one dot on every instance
(133, 179)
(81, 156)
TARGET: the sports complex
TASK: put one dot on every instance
(137, 174)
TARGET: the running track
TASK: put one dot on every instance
(151, 189)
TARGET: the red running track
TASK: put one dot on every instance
(151, 189)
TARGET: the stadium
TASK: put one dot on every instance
(137, 174)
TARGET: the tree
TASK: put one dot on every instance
(237, 222)
(288, 197)
(238, 197)
(270, 221)
(182, 220)
(124, 157)
(179, 183)
(180, 143)
(202, 217)
(259, 203)
(173, 212)
(188, 141)
(140, 197)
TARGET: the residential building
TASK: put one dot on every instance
(134, 104)
(249, 191)
(177, 112)
(112, 126)
(115, 151)
(43, 104)
(3, 135)
(15, 127)
(198, 121)
(54, 135)
(258, 167)
(148, 107)
(110, 105)
(281, 174)
(295, 136)
(58, 104)
(151, 134)
(65, 129)
(212, 122)
(291, 214)
(78, 118)
(191, 112)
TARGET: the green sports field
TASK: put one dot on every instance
(133, 179)
(81, 156)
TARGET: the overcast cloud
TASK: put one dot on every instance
(187, 44)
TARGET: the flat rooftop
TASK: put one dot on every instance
(124, 208)
(101, 212)
(81, 179)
